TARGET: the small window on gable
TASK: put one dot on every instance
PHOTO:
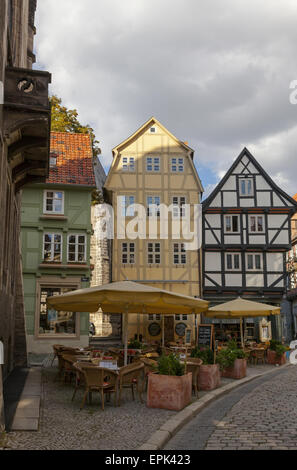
(153, 130)
(246, 187)
(53, 159)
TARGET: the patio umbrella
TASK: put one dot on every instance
(241, 308)
(127, 297)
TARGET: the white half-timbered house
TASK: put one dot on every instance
(246, 234)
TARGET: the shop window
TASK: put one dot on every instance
(52, 322)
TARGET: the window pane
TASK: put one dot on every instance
(228, 224)
(234, 223)
(253, 224)
(236, 261)
(260, 224)
(257, 261)
(243, 187)
(250, 262)
(229, 261)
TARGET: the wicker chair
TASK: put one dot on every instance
(129, 376)
(98, 379)
(194, 366)
(149, 366)
(56, 348)
(80, 378)
(258, 356)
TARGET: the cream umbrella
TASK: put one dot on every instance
(127, 297)
(242, 308)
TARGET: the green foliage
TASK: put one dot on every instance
(66, 120)
(278, 347)
(205, 354)
(134, 344)
(170, 365)
(226, 357)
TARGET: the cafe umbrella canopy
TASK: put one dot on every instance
(127, 297)
(241, 308)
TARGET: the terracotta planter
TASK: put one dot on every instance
(169, 392)
(237, 371)
(209, 377)
(273, 359)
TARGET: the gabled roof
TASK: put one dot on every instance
(246, 152)
(74, 159)
(143, 128)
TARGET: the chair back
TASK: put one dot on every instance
(130, 372)
(97, 377)
(195, 360)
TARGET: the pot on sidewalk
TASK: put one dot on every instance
(273, 359)
(209, 377)
(169, 392)
(237, 371)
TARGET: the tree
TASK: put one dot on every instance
(66, 120)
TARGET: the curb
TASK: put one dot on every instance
(26, 417)
(160, 438)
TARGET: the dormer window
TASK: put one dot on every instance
(53, 159)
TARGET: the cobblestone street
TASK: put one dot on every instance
(259, 415)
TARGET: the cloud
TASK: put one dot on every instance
(215, 73)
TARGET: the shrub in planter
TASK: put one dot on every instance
(209, 373)
(134, 344)
(232, 361)
(276, 353)
(169, 388)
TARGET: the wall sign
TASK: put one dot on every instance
(154, 329)
(180, 329)
(205, 335)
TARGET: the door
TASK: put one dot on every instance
(169, 328)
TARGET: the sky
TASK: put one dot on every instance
(217, 74)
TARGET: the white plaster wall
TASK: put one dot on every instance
(212, 261)
(263, 199)
(233, 280)
(254, 280)
(230, 199)
(274, 262)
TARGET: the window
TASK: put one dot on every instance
(177, 165)
(54, 202)
(52, 322)
(153, 317)
(76, 248)
(178, 203)
(231, 223)
(153, 206)
(179, 253)
(246, 187)
(128, 163)
(232, 261)
(128, 253)
(154, 253)
(53, 159)
(256, 223)
(125, 202)
(153, 130)
(153, 164)
(254, 261)
(52, 247)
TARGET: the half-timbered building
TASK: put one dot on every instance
(246, 234)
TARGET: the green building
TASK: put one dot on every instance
(56, 231)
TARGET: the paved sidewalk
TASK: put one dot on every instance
(26, 417)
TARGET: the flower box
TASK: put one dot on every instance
(237, 371)
(209, 377)
(273, 359)
(169, 392)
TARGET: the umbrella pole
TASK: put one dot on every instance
(163, 335)
(126, 337)
(241, 333)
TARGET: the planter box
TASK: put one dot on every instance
(237, 371)
(209, 377)
(169, 392)
(273, 359)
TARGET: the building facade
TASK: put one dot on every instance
(24, 149)
(56, 234)
(152, 167)
(246, 234)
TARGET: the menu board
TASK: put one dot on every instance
(205, 335)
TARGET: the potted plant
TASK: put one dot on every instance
(232, 361)
(209, 373)
(169, 387)
(276, 354)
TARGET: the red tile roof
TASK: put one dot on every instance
(74, 159)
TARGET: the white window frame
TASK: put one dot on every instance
(155, 164)
(76, 235)
(181, 253)
(153, 131)
(246, 194)
(53, 159)
(225, 223)
(177, 164)
(128, 164)
(232, 254)
(154, 253)
(153, 211)
(125, 201)
(52, 243)
(254, 262)
(45, 198)
(178, 209)
(256, 223)
(128, 252)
